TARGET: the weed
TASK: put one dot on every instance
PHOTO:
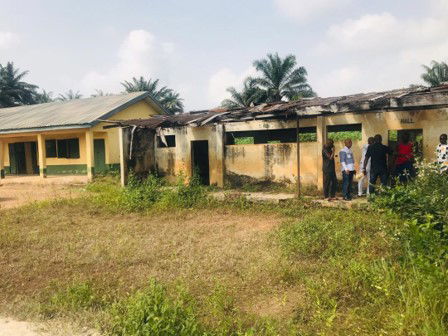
(151, 312)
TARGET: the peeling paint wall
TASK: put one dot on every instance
(278, 162)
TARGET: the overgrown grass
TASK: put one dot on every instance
(153, 259)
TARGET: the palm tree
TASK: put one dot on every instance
(69, 95)
(168, 98)
(100, 93)
(436, 74)
(43, 97)
(250, 95)
(14, 91)
(281, 79)
(172, 102)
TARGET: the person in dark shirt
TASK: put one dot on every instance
(377, 153)
(328, 169)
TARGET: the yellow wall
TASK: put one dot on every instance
(136, 111)
(278, 162)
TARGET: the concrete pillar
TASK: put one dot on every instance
(219, 156)
(90, 159)
(42, 155)
(321, 130)
(2, 162)
(124, 155)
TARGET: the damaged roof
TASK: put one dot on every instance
(76, 113)
(418, 97)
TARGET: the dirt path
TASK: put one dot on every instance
(10, 327)
(16, 191)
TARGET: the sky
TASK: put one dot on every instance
(201, 47)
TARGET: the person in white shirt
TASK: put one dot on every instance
(348, 169)
(366, 177)
(442, 153)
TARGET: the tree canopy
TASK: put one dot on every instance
(278, 79)
(69, 95)
(435, 74)
(250, 95)
(167, 97)
(13, 90)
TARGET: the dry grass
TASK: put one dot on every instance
(51, 245)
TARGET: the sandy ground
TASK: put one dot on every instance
(9, 327)
(12, 327)
(16, 191)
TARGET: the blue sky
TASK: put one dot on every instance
(200, 48)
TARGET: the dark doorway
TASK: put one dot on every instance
(199, 159)
(23, 158)
(99, 155)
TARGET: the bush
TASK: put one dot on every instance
(184, 195)
(150, 312)
(424, 199)
(76, 297)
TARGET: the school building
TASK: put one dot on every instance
(68, 137)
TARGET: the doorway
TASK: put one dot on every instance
(23, 158)
(200, 161)
(99, 156)
(415, 136)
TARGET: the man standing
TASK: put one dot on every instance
(361, 164)
(442, 153)
(348, 169)
(328, 169)
(377, 153)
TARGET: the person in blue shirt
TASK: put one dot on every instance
(348, 169)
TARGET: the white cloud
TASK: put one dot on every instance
(223, 79)
(140, 54)
(8, 40)
(306, 9)
(386, 50)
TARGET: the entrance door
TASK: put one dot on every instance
(199, 159)
(99, 150)
(17, 158)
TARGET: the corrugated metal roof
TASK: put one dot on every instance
(408, 98)
(71, 114)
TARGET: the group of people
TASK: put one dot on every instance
(374, 164)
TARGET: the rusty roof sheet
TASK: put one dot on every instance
(414, 97)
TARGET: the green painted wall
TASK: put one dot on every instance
(80, 169)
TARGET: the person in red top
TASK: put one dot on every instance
(404, 162)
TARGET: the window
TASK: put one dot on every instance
(287, 135)
(170, 141)
(50, 148)
(64, 148)
(342, 132)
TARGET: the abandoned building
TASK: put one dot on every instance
(279, 142)
(67, 137)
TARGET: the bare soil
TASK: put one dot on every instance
(17, 191)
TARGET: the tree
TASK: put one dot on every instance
(168, 98)
(13, 90)
(100, 93)
(282, 79)
(69, 95)
(43, 97)
(172, 102)
(435, 74)
(250, 95)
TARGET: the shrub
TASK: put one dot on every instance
(76, 297)
(140, 194)
(184, 195)
(151, 312)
